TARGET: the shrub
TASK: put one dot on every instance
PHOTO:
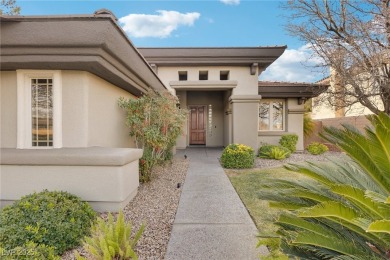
(52, 218)
(155, 122)
(111, 240)
(317, 148)
(277, 152)
(340, 209)
(308, 125)
(29, 251)
(289, 141)
(238, 156)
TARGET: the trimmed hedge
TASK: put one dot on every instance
(238, 156)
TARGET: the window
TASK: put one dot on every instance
(224, 75)
(39, 109)
(271, 115)
(182, 75)
(203, 75)
(42, 112)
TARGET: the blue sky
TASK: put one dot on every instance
(213, 23)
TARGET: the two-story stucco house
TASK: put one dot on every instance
(61, 127)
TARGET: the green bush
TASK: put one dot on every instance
(317, 148)
(155, 121)
(289, 141)
(29, 251)
(112, 240)
(277, 152)
(238, 156)
(52, 218)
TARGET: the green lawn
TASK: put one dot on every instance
(247, 183)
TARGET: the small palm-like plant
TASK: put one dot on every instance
(112, 240)
(341, 209)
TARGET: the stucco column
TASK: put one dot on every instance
(295, 121)
(245, 112)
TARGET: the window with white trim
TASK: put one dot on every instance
(42, 111)
(272, 115)
(39, 123)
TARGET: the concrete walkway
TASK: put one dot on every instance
(211, 221)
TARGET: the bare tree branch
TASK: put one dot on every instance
(351, 37)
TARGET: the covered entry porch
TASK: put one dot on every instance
(209, 121)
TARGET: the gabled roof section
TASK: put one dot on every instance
(93, 43)
(279, 89)
(213, 56)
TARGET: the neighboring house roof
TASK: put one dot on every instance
(213, 56)
(277, 89)
(93, 43)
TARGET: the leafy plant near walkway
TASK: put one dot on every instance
(155, 122)
(238, 156)
(56, 219)
(276, 152)
(112, 240)
(341, 210)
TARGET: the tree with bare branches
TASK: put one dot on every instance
(353, 38)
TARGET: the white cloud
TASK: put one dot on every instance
(230, 2)
(160, 25)
(294, 66)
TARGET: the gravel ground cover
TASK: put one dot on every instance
(294, 158)
(155, 206)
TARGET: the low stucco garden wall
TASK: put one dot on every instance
(105, 177)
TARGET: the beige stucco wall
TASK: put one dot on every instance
(181, 141)
(90, 114)
(214, 123)
(228, 119)
(222, 131)
(106, 120)
(294, 125)
(246, 83)
(8, 110)
(245, 124)
(74, 109)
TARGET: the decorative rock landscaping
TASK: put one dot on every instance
(155, 205)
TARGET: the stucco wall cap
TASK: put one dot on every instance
(89, 156)
(105, 12)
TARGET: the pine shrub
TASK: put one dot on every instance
(238, 156)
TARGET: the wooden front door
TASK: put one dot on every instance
(197, 125)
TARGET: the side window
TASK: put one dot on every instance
(271, 115)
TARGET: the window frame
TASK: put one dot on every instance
(24, 113)
(271, 101)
